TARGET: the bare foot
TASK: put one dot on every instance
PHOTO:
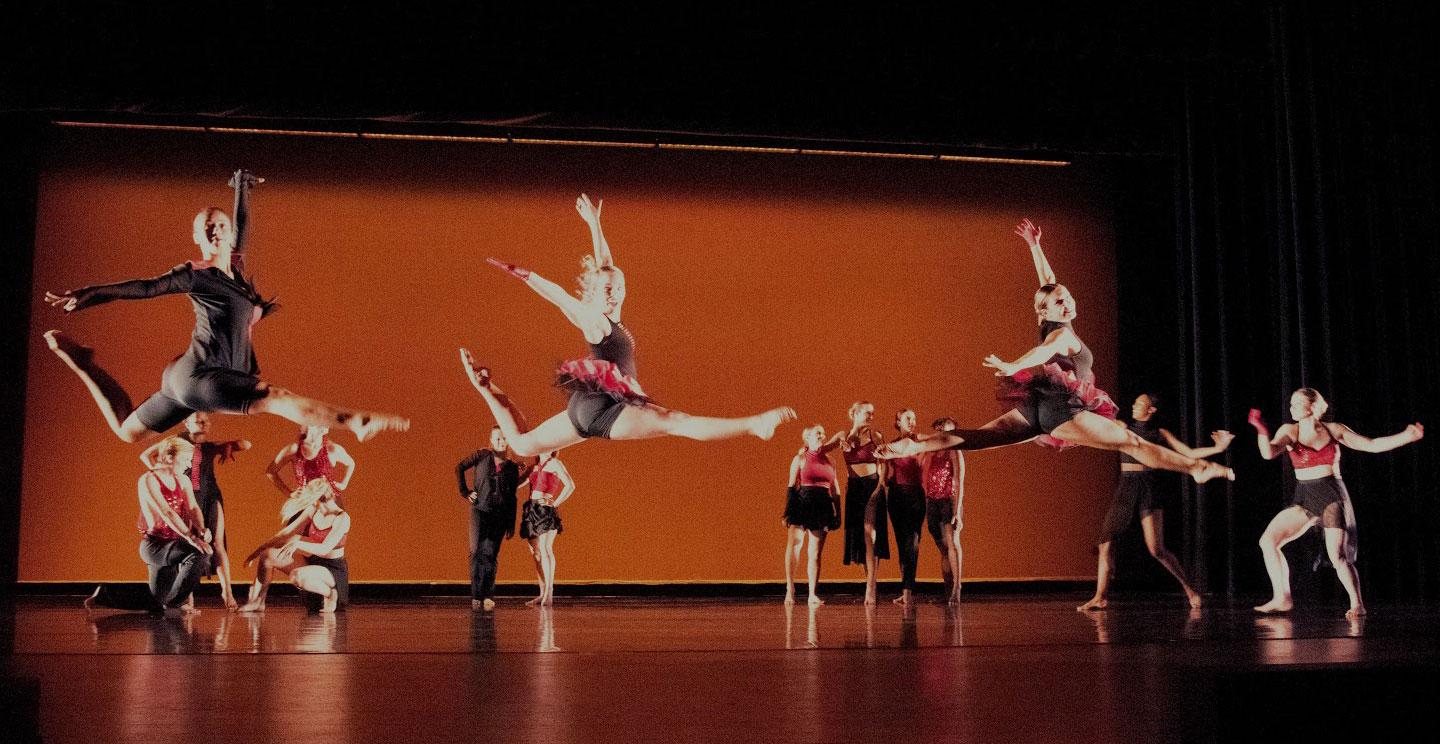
(535, 602)
(1354, 612)
(72, 352)
(230, 603)
(1276, 605)
(547, 602)
(765, 423)
(816, 601)
(89, 603)
(189, 609)
(487, 605)
(954, 599)
(252, 607)
(870, 596)
(1095, 603)
(479, 376)
(903, 599)
(367, 425)
(1206, 470)
(789, 598)
(332, 601)
(1194, 598)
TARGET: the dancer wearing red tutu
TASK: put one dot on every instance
(1052, 389)
(1320, 496)
(606, 400)
(218, 373)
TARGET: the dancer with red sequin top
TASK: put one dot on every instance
(1052, 390)
(905, 500)
(606, 400)
(1320, 495)
(944, 476)
(218, 373)
(550, 486)
(311, 456)
(813, 510)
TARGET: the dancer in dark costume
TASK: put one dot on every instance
(1320, 495)
(1052, 390)
(207, 492)
(867, 530)
(905, 500)
(1137, 491)
(606, 400)
(491, 495)
(218, 373)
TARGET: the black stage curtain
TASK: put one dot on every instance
(1305, 222)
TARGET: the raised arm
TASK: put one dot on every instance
(242, 182)
(1031, 234)
(591, 214)
(147, 458)
(1221, 438)
(282, 461)
(1061, 341)
(338, 529)
(567, 484)
(1269, 448)
(175, 281)
(590, 322)
(1349, 438)
(836, 440)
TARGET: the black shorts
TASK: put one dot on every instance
(1324, 498)
(186, 388)
(1134, 494)
(339, 569)
(812, 509)
(593, 413)
(938, 513)
(1045, 411)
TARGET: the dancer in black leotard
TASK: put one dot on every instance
(1137, 492)
(606, 401)
(1052, 390)
(218, 373)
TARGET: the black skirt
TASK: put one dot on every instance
(811, 508)
(857, 496)
(539, 518)
(1135, 493)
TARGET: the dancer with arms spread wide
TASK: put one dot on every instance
(1320, 495)
(606, 400)
(218, 373)
(1053, 392)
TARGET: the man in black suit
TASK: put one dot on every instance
(492, 512)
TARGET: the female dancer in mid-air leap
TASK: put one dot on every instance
(1054, 394)
(606, 401)
(218, 373)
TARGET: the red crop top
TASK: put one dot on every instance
(864, 453)
(316, 535)
(175, 497)
(1304, 457)
(816, 470)
(544, 483)
(905, 471)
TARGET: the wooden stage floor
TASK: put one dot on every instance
(1002, 669)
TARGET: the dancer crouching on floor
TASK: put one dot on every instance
(812, 507)
(310, 548)
(1320, 495)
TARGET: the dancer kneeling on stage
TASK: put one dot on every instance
(1137, 491)
(944, 476)
(492, 512)
(310, 548)
(1320, 495)
(550, 485)
(174, 543)
(812, 507)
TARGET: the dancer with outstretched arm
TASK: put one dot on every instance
(1320, 496)
(218, 373)
(606, 401)
(1053, 393)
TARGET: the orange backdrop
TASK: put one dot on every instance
(754, 280)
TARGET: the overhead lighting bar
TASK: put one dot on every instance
(757, 149)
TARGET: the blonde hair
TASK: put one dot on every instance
(174, 451)
(1318, 405)
(859, 404)
(1041, 295)
(590, 276)
(305, 497)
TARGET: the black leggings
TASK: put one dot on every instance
(175, 568)
(858, 492)
(907, 513)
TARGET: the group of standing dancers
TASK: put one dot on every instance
(916, 479)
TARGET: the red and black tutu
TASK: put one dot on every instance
(1050, 395)
(599, 376)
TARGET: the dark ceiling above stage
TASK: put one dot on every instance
(1018, 76)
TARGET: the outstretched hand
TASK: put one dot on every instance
(1029, 232)
(1416, 431)
(1002, 368)
(516, 271)
(65, 301)
(1258, 422)
(590, 212)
